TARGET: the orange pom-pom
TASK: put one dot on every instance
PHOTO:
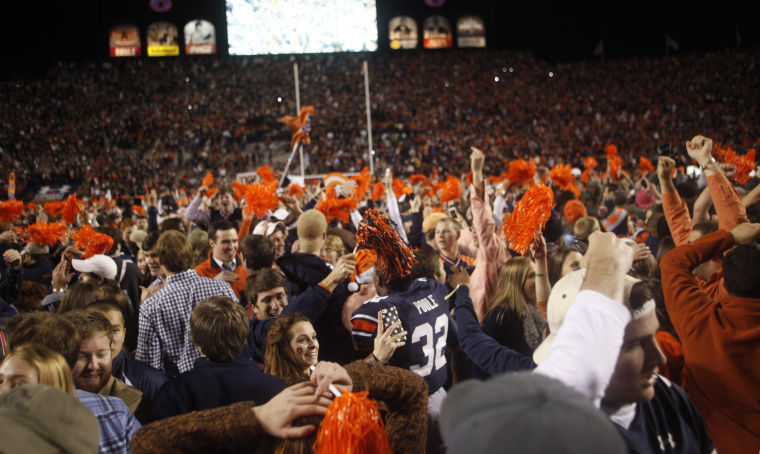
(452, 189)
(378, 191)
(400, 189)
(562, 176)
(138, 209)
(266, 175)
(395, 258)
(610, 150)
(46, 234)
(362, 184)
(334, 207)
(744, 164)
(590, 163)
(521, 171)
(296, 190)
(238, 190)
(646, 165)
(417, 178)
(260, 199)
(616, 167)
(352, 425)
(71, 208)
(10, 211)
(586, 175)
(528, 218)
(208, 179)
(31, 207)
(91, 242)
(210, 193)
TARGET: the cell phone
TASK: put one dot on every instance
(390, 316)
(453, 213)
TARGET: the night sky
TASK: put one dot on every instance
(37, 34)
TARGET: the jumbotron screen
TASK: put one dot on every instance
(301, 26)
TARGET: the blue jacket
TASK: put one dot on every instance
(306, 270)
(489, 356)
(138, 374)
(311, 303)
(210, 385)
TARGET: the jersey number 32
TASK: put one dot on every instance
(433, 340)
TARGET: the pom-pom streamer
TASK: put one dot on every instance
(260, 199)
(352, 425)
(395, 258)
(46, 234)
(521, 171)
(91, 242)
(529, 217)
(10, 211)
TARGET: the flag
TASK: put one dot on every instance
(599, 49)
(671, 43)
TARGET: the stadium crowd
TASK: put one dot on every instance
(178, 118)
(611, 302)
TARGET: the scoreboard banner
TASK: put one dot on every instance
(200, 37)
(436, 33)
(403, 33)
(163, 40)
(124, 41)
(471, 32)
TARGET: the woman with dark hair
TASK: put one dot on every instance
(563, 261)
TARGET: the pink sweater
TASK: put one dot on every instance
(491, 254)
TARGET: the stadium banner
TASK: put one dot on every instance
(124, 41)
(471, 32)
(403, 33)
(163, 40)
(51, 192)
(436, 33)
(200, 37)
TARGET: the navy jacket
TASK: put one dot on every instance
(488, 356)
(210, 385)
(304, 271)
(311, 303)
(138, 374)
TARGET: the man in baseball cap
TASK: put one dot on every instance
(96, 269)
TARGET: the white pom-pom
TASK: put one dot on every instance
(353, 287)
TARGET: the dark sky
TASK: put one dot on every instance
(37, 34)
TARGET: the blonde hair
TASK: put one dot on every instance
(51, 367)
(508, 294)
(312, 224)
(585, 226)
(333, 241)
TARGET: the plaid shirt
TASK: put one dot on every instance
(117, 425)
(163, 339)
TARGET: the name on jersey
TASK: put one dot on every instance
(426, 304)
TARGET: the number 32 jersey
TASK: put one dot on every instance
(424, 316)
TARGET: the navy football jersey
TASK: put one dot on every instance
(424, 317)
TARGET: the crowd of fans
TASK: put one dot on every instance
(619, 315)
(168, 121)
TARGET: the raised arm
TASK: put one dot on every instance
(585, 350)
(194, 212)
(728, 204)
(676, 212)
(686, 302)
(702, 207)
